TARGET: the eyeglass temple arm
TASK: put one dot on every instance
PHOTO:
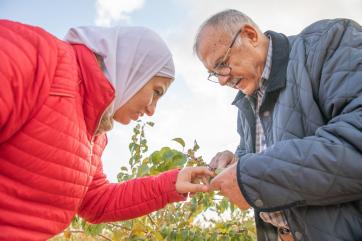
(231, 45)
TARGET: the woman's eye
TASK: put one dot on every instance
(158, 93)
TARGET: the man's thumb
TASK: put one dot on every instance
(214, 185)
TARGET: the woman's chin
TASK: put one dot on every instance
(124, 121)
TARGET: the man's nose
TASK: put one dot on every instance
(223, 80)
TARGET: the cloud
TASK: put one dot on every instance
(110, 11)
(288, 17)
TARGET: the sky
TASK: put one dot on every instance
(193, 108)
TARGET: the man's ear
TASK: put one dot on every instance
(251, 34)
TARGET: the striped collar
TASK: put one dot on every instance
(267, 67)
(279, 60)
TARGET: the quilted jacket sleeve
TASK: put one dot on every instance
(324, 169)
(106, 202)
(28, 61)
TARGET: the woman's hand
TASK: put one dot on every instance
(193, 179)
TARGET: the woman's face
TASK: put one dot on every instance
(144, 101)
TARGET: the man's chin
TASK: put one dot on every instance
(247, 91)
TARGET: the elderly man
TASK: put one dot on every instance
(299, 118)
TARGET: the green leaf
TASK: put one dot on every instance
(225, 238)
(224, 204)
(117, 235)
(155, 157)
(179, 160)
(165, 231)
(145, 149)
(131, 146)
(93, 229)
(232, 207)
(143, 170)
(136, 131)
(158, 236)
(180, 141)
(196, 146)
(75, 222)
(166, 153)
(185, 235)
(213, 237)
(150, 123)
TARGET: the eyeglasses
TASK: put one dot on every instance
(222, 68)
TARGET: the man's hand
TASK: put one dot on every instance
(193, 179)
(227, 184)
(222, 159)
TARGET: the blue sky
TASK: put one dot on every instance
(55, 16)
(59, 15)
(193, 108)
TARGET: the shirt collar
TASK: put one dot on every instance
(267, 67)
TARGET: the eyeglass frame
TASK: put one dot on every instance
(213, 73)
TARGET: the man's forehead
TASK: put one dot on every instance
(212, 43)
(213, 37)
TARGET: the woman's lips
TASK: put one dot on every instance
(137, 115)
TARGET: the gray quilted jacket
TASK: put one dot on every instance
(312, 118)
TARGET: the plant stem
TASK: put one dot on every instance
(81, 231)
(153, 222)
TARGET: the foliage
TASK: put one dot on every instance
(202, 217)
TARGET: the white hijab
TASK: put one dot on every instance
(132, 56)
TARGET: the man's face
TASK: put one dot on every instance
(243, 64)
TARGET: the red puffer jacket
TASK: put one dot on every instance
(52, 95)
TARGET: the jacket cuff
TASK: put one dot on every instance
(168, 183)
(252, 192)
(240, 183)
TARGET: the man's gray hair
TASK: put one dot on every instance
(228, 21)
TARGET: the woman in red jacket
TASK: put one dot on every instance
(57, 100)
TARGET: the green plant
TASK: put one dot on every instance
(203, 217)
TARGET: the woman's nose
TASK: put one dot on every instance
(150, 109)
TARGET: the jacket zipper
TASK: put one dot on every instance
(91, 151)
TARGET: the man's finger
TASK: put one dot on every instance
(213, 164)
(223, 162)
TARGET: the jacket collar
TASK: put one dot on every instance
(96, 91)
(280, 58)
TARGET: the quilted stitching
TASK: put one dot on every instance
(316, 157)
